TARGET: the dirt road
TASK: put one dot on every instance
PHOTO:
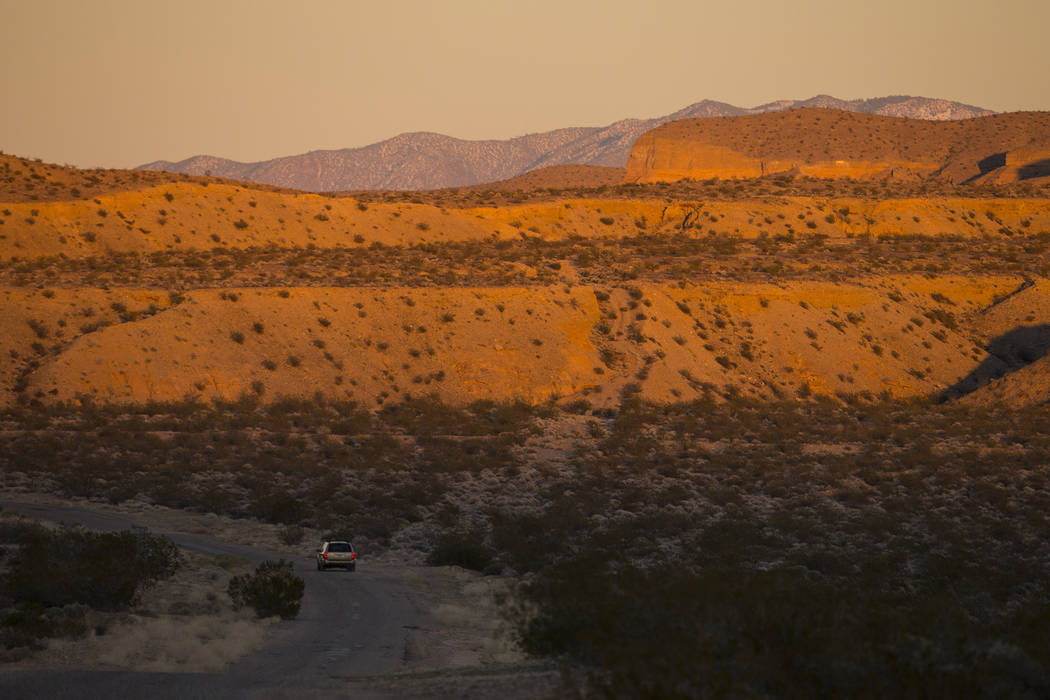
(351, 624)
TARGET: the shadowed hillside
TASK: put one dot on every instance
(1007, 353)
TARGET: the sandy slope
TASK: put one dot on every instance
(196, 216)
(869, 332)
(907, 335)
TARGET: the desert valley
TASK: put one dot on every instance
(783, 375)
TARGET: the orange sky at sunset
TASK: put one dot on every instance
(117, 83)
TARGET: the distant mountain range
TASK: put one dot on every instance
(424, 160)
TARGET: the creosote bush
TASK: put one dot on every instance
(292, 534)
(103, 570)
(908, 550)
(272, 589)
(667, 631)
(465, 549)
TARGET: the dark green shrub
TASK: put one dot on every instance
(579, 407)
(670, 632)
(530, 542)
(273, 589)
(292, 534)
(20, 530)
(104, 570)
(26, 624)
(465, 549)
(279, 507)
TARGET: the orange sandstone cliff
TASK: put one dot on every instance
(830, 143)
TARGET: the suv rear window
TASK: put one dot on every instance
(339, 547)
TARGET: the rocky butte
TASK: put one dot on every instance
(836, 144)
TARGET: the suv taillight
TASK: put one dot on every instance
(325, 555)
(353, 555)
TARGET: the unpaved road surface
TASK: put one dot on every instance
(351, 625)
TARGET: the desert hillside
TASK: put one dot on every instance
(782, 388)
(209, 216)
(903, 335)
(130, 287)
(835, 143)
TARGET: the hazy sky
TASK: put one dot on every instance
(117, 83)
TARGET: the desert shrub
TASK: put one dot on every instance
(579, 407)
(279, 507)
(292, 534)
(40, 329)
(609, 357)
(24, 625)
(532, 541)
(465, 455)
(464, 549)
(272, 589)
(20, 530)
(667, 631)
(103, 570)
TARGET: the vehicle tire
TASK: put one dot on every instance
(352, 567)
(320, 566)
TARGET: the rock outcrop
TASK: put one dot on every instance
(834, 143)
